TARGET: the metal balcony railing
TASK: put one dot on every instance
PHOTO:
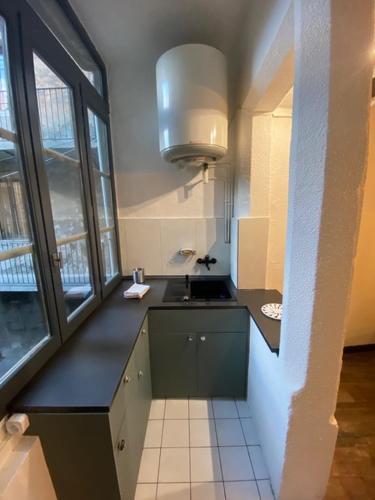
(54, 114)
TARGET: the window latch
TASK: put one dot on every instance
(57, 260)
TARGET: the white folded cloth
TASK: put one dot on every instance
(136, 291)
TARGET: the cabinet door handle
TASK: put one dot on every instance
(190, 338)
(140, 374)
(143, 331)
(203, 339)
(127, 379)
(121, 445)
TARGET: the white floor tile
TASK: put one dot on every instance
(236, 464)
(174, 491)
(175, 434)
(148, 470)
(174, 465)
(241, 490)
(265, 490)
(202, 433)
(207, 491)
(145, 492)
(249, 430)
(229, 432)
(200, 408)
(176, 409)
(243, 408)
(257, 460)
(224, 408)
(205, 465)
(157, 409)
(153, 434)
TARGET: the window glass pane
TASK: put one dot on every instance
(23, 323)
(63, 168)
(100, 165)
(57, 22)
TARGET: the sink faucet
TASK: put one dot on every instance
(207, 261)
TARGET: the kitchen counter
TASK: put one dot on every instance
(84, 374)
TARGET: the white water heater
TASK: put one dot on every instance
(192, 105)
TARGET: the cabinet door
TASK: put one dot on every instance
(173, 364)
(222, 359)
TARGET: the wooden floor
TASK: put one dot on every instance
(353, 469)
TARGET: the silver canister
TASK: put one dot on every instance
(139, 275)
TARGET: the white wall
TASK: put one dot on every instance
(278, 197)
(294, 395)
(161, 208)
(360, 327)
(261, 162)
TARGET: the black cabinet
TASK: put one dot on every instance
(199, 353)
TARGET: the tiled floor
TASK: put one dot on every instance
(202, 450)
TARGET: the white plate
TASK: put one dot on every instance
(273, 311)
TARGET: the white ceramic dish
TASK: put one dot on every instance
(273, 311)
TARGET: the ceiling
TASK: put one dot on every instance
(138, 31)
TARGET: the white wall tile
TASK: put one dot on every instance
(154, 244)
(210, 240)
(140, 245)
(177, 234)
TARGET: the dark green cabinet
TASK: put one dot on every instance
(91, 455)
(221, 364)
(199, 353)
(173, 364)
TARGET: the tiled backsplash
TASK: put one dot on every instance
(154, 245)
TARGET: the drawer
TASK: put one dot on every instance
(199, 321)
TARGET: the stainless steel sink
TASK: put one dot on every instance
(196, 290)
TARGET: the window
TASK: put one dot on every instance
(56, 20)
(23, 321)
(58, 233)
(63, 169)
(103, 189)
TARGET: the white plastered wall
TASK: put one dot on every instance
(293, 395)
(360, 326)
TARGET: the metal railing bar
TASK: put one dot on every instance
(12, 137)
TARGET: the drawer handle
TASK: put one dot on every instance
(127, 379)
(121, 445)
(190, 338)
(143, 331)
(140, 374)
(203, 339)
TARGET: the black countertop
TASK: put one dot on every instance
(84, 374)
